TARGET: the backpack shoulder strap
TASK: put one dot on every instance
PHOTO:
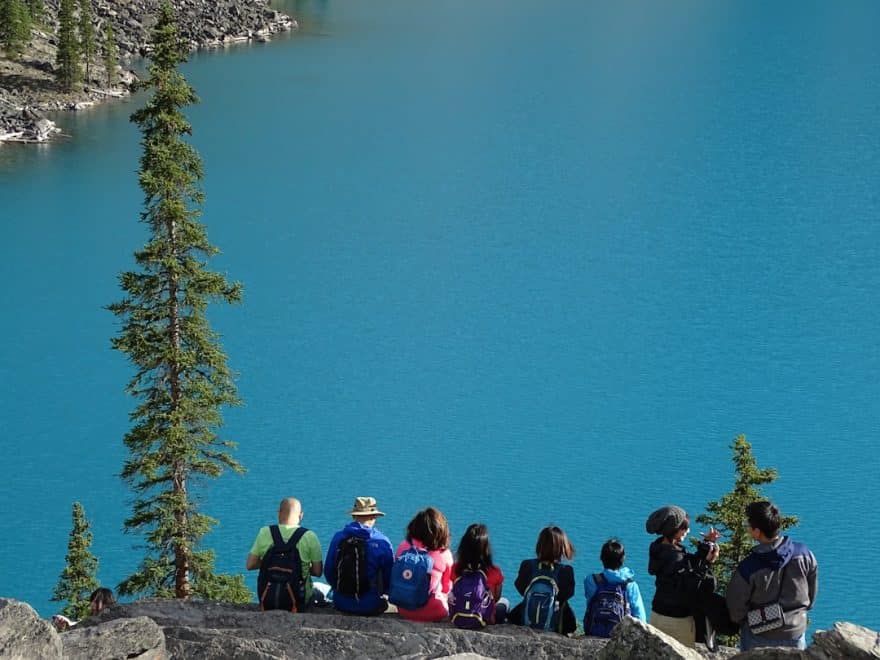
(277, 540)
(599, 579)
(552, 567)
(297, 535)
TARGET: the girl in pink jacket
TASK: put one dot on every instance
(428, 530)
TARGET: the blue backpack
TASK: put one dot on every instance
(411, 579)
(606, 608)
(540, 600)
(471, 604)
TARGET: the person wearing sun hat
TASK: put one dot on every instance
(682, 578)
(359, 559)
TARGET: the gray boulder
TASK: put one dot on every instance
(139, 638)
(24, 635)
(768, 653)
(635, 639)
(169, 629)
(845, 640)
(210, 631)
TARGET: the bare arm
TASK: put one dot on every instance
(253, 562)
(317, 568)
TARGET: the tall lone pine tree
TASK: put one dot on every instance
(78, 579)
(728, 514)
(181, 378)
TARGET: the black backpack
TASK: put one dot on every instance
(281, 585)
(351, 567)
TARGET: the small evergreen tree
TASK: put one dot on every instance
(727, 515)
(78, 579)
(86, 35)
(181, 378)
(15, 27)
(110, 56)
(67, 70)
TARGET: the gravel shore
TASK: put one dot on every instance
(27, 85)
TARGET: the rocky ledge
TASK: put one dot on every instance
(27, 84)
(157, 630)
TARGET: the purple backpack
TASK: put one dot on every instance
(471, 604)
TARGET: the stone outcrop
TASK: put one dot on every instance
(634, 639)
(26, 126)
(24, 635)
(139, 637)
(159, 630)
(212, 631)
(846, 640)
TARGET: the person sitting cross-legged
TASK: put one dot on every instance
(359, 559)
(280, 551)
(603, 590)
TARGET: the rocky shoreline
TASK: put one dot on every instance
(161, 629)
(27, 85)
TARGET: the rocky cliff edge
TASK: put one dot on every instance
(164, 630)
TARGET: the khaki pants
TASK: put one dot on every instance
(681, 628)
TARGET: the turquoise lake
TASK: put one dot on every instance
(528, 262)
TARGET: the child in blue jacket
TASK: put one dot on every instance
(615, 573)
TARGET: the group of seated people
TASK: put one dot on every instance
(776, 583)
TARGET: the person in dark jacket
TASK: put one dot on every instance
(552, 550)
(778, 570)
(683, 579)
(379, 557)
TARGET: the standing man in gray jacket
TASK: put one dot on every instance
(774, 586)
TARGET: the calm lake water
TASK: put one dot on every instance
(529, 262)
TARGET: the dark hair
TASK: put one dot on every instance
(685, 524)
(430, 527)
(101, 597)
(764, 516)
(474, 550)
(553, 545)
(612, 554)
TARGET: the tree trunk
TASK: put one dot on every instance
(182, 587)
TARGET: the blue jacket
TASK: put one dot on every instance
(379, 559)
(633, 595)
